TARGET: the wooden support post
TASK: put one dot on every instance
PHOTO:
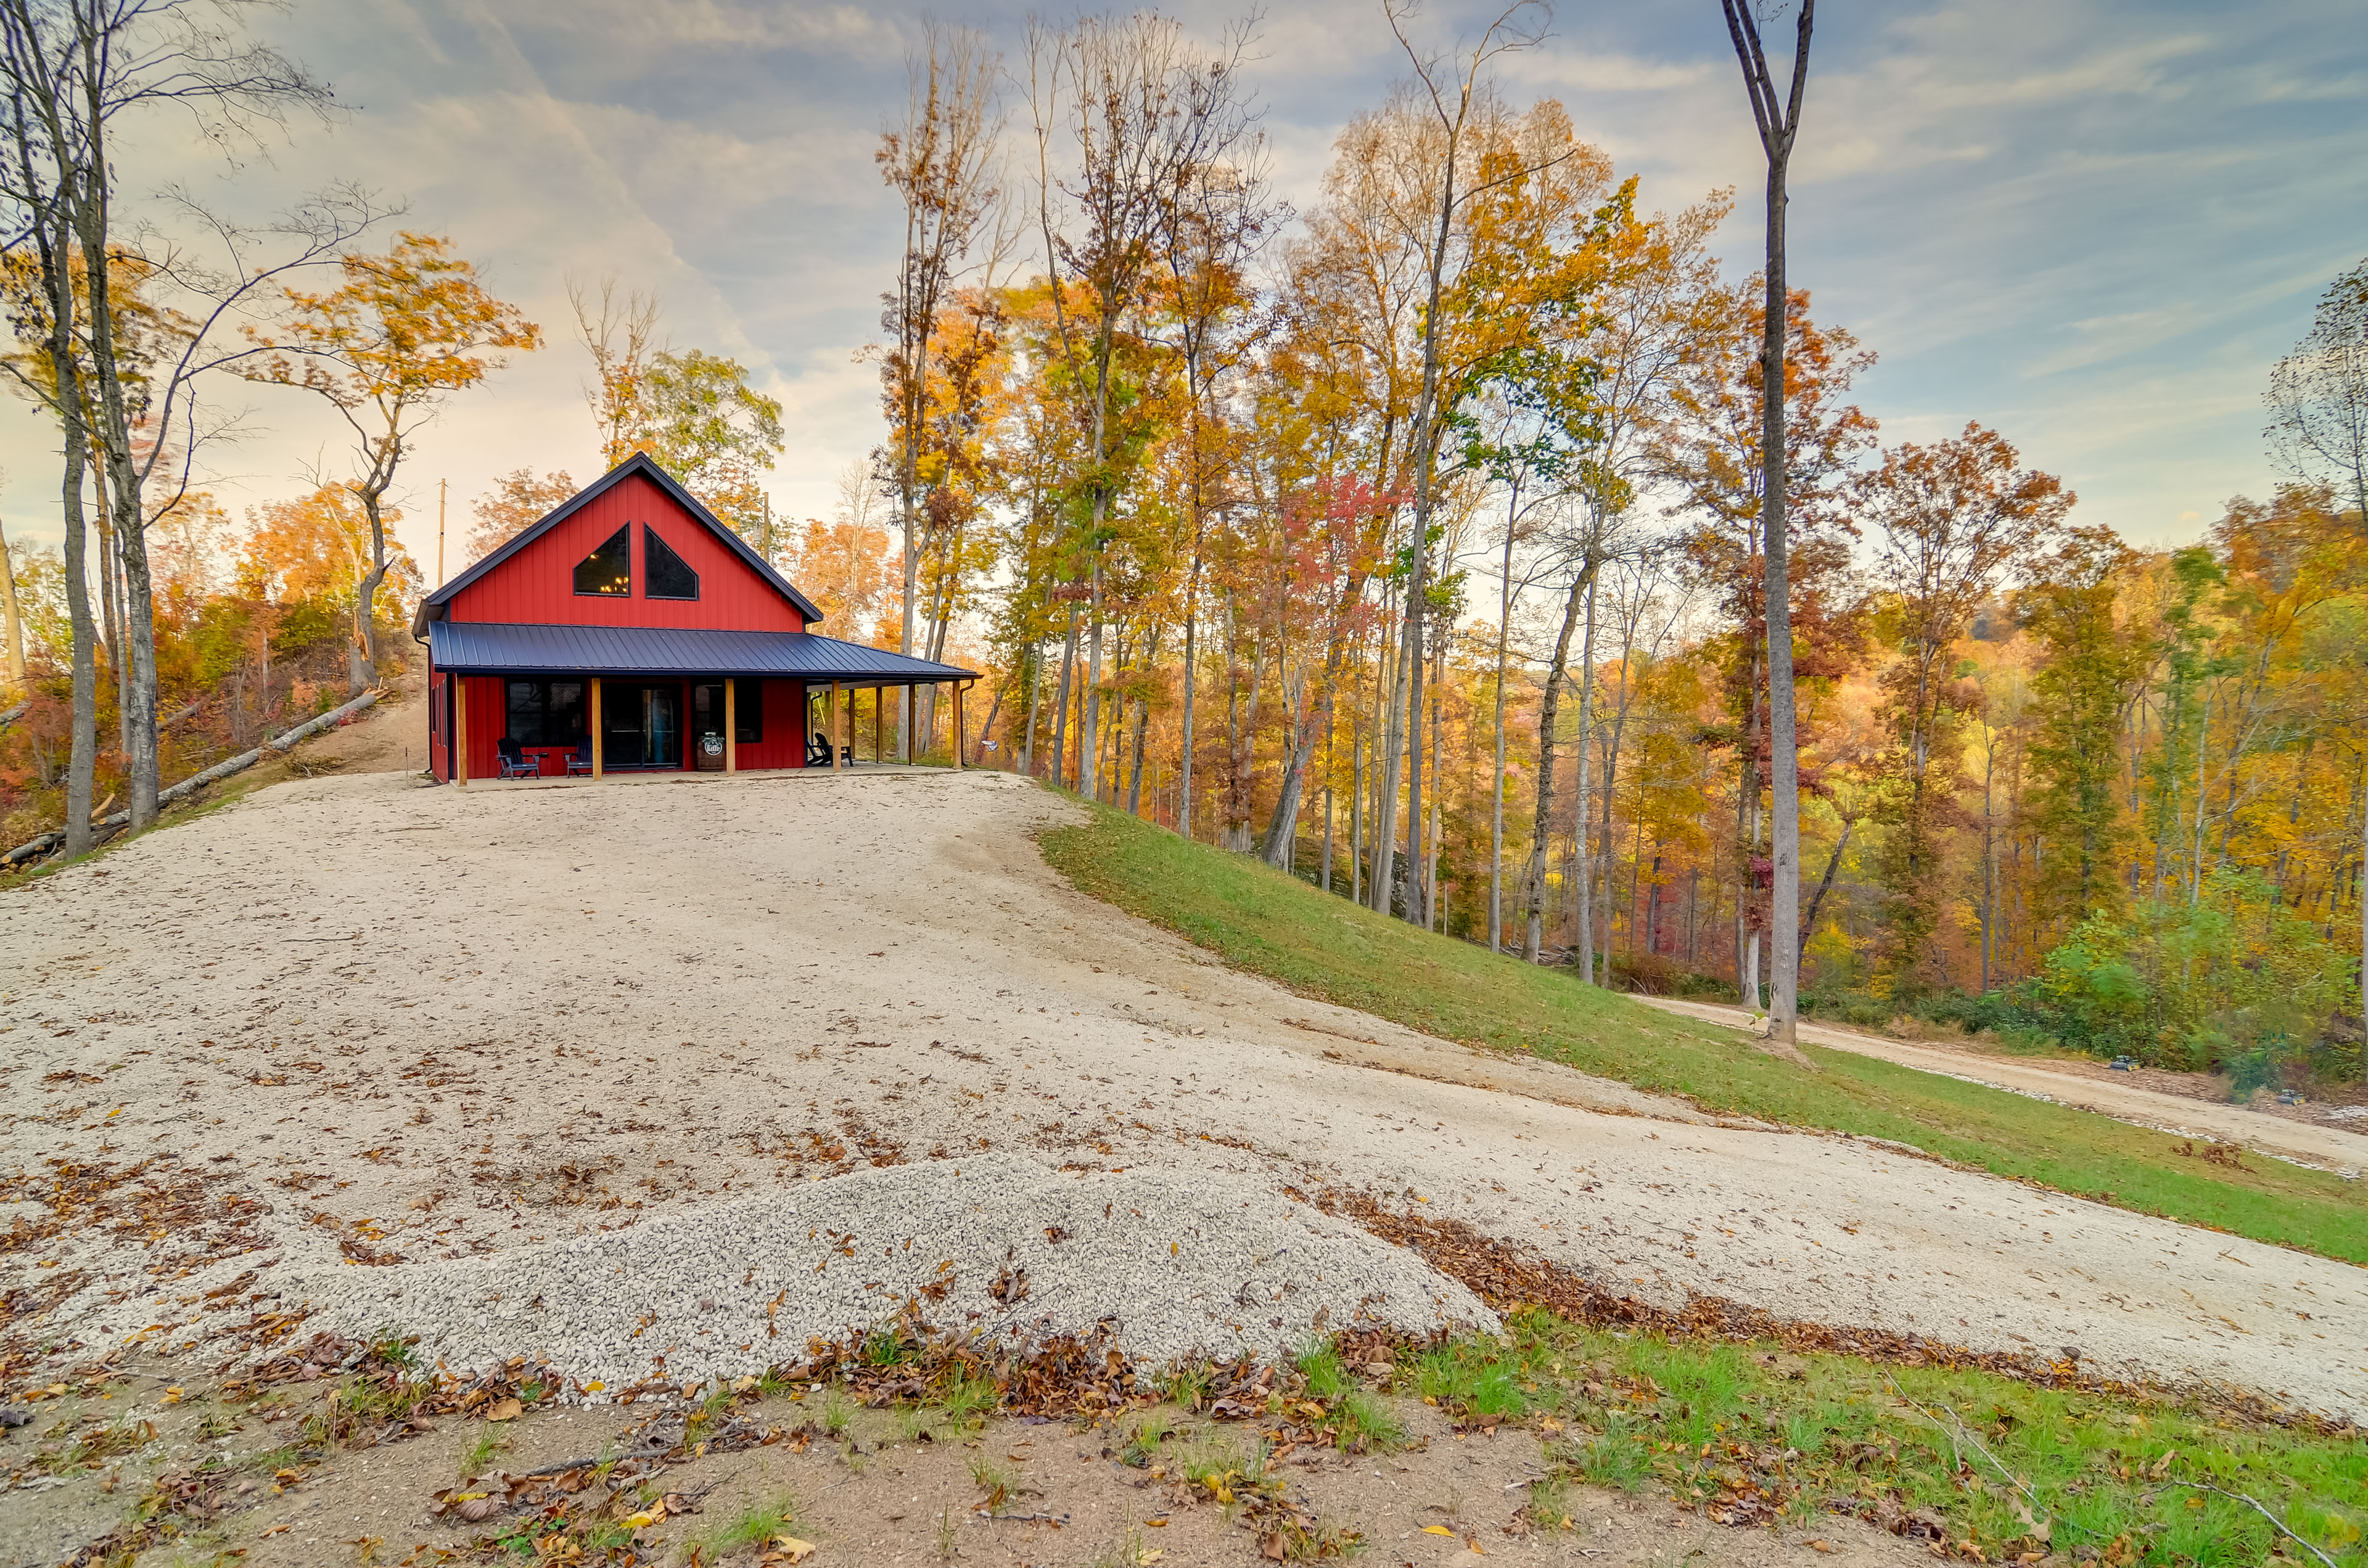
(837, 748)
(849, 741)
(461, 731)
(960, 740)
(731, 725)
(879, 723)
(600, 740)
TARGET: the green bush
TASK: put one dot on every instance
(2195, 985)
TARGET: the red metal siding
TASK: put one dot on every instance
(783, 745)
(436, 696)
(488, 719)
(538, 585)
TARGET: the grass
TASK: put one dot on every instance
(1959, 1456)
(756, 1523)
(1322, 946)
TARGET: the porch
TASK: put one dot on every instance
(509, 700)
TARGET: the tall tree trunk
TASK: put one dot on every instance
(1035, 706)
(1061, 703)
(1496, 792)
(1357, 818)
(1779, 126)
(1533, 890)
(1192, 666)
(1582, 859)
(12, 624)
(1089, 783)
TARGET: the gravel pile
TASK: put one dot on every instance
(1178, 1264)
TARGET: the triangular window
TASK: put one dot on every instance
(609, 569)
(670, 576)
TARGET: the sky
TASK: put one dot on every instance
(2092, 225)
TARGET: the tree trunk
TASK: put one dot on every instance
(1496, 793)
(1191, 656)
(1534, 891)
(1060, 702)
(1582, 859)
(12, 623)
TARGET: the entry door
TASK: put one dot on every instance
(662, 710)
(641, 725)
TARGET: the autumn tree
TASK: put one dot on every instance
(693, 412)
(2096, 663)
(406, 331)
(1711, 449)
(1779, 122)
(2319, 394)
(516, 502)
(939, 161)
(76, 75)
(1954, 522)
(1138, 113)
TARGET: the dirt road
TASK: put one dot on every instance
(2328, 1146)
(355, 1019)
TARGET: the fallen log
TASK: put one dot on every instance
(14, 714)
(281, 743)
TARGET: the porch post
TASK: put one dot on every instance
(960, 740)
(598, 740)
(731, 725)
(850, 726)
(461, 731)
(837, 745)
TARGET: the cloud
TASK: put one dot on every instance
(2092, 224)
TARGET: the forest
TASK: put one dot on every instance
(1412, 541)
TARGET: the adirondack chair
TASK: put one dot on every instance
(515, 763)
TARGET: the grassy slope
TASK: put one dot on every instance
(1323, 946)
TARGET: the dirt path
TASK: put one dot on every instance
(357, 1019)
(2328, 1146)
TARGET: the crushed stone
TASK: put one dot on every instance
(1177, 1266)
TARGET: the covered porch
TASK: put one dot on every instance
(510, 701)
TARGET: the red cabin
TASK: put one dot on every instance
(632, 631)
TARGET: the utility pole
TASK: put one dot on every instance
(441, 487)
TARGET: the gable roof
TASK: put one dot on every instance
(432, 607)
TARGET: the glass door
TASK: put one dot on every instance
(662, 707)
(641, 726)
(623, 741)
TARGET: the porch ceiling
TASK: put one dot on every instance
(479, 647)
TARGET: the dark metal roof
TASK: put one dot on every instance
(496, 647)
(431, 609)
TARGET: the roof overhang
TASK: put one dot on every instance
(432, 608)
(492, 647)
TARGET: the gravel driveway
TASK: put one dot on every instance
(417, 1055)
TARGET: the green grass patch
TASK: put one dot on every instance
(1322, 946)
(1953, 1456)
(755, 1524)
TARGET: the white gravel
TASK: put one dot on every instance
(1212, 1266)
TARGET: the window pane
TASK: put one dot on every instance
(609, 569)
(562, 723)
(749, 713)
(525, 720)
(670, 576)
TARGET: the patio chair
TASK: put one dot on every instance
(818, 749)
(515, 763)
(579, 761)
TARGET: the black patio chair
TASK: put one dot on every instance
(579, 762)
(515, 763)
(818, 749)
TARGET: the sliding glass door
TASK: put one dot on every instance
(641, 725)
